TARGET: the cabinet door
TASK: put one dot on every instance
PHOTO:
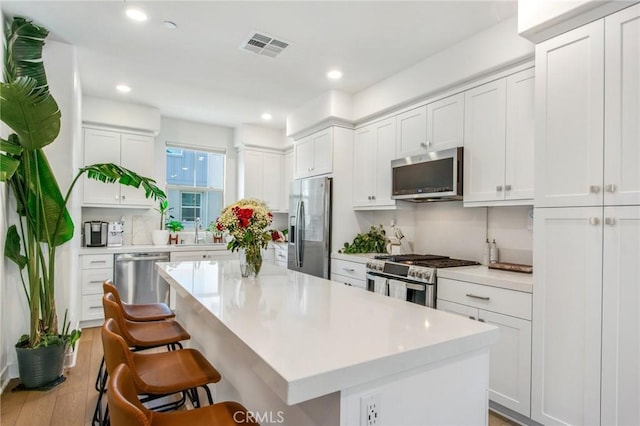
(445, 123)
(272, 179)
(412, 132)
(622, 108)
(621, 317)
(567, 304)
(322, 152)
(179, 256)
(251, 175)
(385, 149)
(520, 136)
(569, 118)
(101, 146)
(484, 147)
(137, 154)
(456, 308)
(510, 368)
(303, 157)
(364, 143)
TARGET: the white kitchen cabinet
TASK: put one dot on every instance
(132, 151)
(567, 308)
(432, 127)
(348, 273)
(313, 155)
(193, 255)
(287, 177)
(281, 254)
(374, 148)
(621, 316)
(622, 108)
(445, 123)
(411, 138)
(510, 311)
(569, 118)
(260, 176)
(499, 141)
(94, 270)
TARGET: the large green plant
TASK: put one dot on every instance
(29, 109)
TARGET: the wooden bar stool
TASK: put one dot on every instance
(162, 373)
(133, 312)
(138, 336)
(139, 312)
(126, 409)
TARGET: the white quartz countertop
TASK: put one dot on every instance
(482, 275)
(152, 248)
(312, 336)
(356, 257)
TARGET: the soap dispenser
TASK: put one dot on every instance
(486, 253)
(493, 252)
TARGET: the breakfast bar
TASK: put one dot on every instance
(300, 350)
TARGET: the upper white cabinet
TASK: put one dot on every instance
(569, 118)
(260, 176)
(287, 178)
(445, 123)
(411, 136)
(313, 155)
(433, 127)
(499, 140)
(374, 148)
(622, 108)
(132, 151)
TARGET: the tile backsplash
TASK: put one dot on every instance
(138, 223)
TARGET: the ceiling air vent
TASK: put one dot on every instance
(262, 44)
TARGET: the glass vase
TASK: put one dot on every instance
(250, 260)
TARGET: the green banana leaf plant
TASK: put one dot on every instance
(29, 109)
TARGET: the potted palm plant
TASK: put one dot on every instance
(30, 111)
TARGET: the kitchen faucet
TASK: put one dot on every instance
(195, 240)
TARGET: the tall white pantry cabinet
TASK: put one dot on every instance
(586, 304)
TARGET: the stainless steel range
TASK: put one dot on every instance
(411, 277)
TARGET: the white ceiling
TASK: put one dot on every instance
(197, 71)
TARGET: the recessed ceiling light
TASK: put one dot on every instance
(334, 74)
(123, 88)
(170, 25)
(266, 116)
(136, 14)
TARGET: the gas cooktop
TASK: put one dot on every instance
(425, 260)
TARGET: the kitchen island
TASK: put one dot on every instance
(300, 350)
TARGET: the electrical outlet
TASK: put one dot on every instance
(370, 410)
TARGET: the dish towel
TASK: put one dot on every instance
(380, 285)
(398, 289)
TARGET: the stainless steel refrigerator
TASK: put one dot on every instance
(310, 226)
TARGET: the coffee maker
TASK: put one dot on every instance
(95, 233)
(114, 234)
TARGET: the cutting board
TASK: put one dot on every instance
(514, 267)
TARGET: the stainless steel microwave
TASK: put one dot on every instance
(434, 176)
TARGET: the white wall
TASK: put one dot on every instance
(62, 74)
(482, 53)
(120, 114)
(261, 136)
(332, 104)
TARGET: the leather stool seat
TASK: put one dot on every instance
(126, 409)
(139, 312)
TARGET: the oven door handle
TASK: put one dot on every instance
(416, 287)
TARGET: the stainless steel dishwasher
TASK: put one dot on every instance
(137, 280)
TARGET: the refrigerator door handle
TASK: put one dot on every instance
(300, 245)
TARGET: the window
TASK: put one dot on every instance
(195, 185)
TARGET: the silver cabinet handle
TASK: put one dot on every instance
(98, 261)
(95, 307)
(96, 281)
(507, 187)
(478, 297)
(347, 284)
(594, 189)
(594, 221)
(610, 188)
(610, 221)
(349, 269)
(499, 188)
(123, 197)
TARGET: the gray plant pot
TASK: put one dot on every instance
(41, 366)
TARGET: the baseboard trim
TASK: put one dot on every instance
(4, 379)
(512, 415)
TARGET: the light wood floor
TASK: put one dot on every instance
(72, 403)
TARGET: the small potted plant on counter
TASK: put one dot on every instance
(174, 226)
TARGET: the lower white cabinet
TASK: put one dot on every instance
(178, 256)
(349, 273)
(95, 269)
(510, 368)
(281, 254)
(586, 336)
